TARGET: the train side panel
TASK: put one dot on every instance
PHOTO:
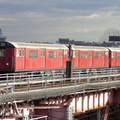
(32, 58)
(98, 60)
(91, 57)
(83, 58)
(52, 58)
(56, 58)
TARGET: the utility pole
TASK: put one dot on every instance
(69, 64)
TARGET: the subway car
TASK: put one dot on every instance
(21, 56)
(90, 57)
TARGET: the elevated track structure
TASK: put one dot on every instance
(53, 96)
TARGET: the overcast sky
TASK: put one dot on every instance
(49, 20)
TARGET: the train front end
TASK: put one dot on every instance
(6, 57)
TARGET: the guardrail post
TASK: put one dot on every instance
(7, 83)
(28, 82)
(88, 80)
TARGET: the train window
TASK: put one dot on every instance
(118, 55)
(113, 54)
(42, 53)
(2, 44)
(66, 52)
(52, 54)
(97, 55)
(76, 54)
(21, 52)
(33, 54)
(17, 53)
(60, 53)
(84, 55)
(2, 52)
(106, 53)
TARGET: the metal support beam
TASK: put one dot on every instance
(98, 114)
(106, 113)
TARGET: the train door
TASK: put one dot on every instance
(75, 58)
(113, 58)
(107, 58)
(2, 59)
(90, 59)
(42, 58)
(22, 58)
(103, 58)
(60, 56)
(9, 59)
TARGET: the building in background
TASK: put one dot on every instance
(2, 37)
(63, 40)
(114, 39)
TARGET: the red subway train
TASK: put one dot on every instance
(21, 56)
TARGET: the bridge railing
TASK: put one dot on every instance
(10, 83)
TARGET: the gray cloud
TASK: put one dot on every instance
(47, 20)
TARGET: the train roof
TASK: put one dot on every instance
(36, 45)
(114, 49)
(92, 48)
